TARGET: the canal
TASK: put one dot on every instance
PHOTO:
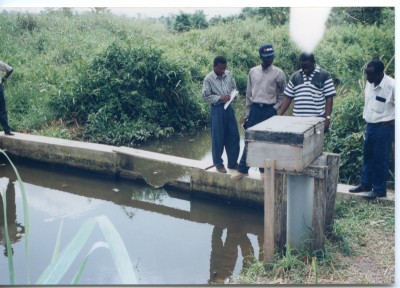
(171, 237)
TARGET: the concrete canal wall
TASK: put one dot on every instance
(156, 169)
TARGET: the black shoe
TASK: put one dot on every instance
(8, 133)
(222, 169)
(373, 195)
(359, 188)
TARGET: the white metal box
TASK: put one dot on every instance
(293, 142)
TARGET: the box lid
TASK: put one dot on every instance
(285, 129)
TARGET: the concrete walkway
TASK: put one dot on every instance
(155, 168)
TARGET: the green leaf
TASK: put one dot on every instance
(60, 264)
(78, 275)
(118, 251)
(26, 211)
(3, 192)
(56, 251)
(55, 271)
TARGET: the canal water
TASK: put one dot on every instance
(171, 237)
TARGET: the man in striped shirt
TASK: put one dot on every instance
(217, 87)
(312, 90)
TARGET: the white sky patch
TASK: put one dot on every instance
(192, 3)
(307, 26)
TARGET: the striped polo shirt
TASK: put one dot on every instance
(309, 93)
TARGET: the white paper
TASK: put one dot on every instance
(233, 95)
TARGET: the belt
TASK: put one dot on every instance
(384, 123)
(217, 103)
(263, 104)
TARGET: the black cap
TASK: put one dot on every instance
(266, 50)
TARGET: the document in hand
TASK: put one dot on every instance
(233, 95)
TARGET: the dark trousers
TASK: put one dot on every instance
(377, 148)
(258, 113)
(3, 111)
(224, 134)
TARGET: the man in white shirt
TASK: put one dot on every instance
(3, 111)
(379, 113)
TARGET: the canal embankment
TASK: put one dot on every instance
(156, 169)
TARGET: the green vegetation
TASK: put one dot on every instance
(361, 229)
(117, 80)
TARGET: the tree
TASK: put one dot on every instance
(362, 15)
(198, 20)
(248, 12)
(182, 22)
(99, 10)
(275, 15)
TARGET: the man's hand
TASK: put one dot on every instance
(225, 98)
(327, 123)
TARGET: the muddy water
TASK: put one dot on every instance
(193, 146)
(171, 238)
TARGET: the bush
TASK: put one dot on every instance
(132, 92)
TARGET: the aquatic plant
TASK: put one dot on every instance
(26, 220)
(62, 260)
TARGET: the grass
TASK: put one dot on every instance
(359, 251)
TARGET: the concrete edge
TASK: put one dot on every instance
(104, 159)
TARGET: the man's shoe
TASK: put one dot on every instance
(373, 195)
(234, 167)
(9, 133)
(221, 169)
(359, 188)
(238, 175)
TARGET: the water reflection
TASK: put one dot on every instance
(15, 229)
(172, 238)
(224, 255)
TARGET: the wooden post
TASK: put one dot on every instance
(269, 211)
(280, 210)
(331, 188)
(319, 210)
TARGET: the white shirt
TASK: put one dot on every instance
(379, 101)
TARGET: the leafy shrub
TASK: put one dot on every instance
(132, 92)
(27, 21)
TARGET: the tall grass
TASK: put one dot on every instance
(62, 260)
